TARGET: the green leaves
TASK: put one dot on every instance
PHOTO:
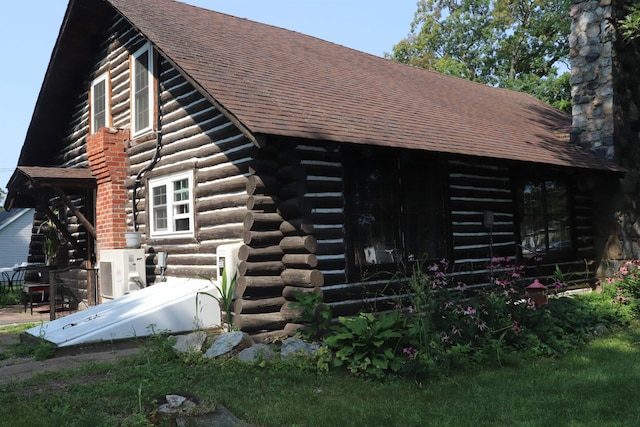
(369, 345)
(515, 44)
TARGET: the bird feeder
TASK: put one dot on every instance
(537, 292)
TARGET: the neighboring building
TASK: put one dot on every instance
(15, 236)
(333, 169)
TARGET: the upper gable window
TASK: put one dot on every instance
(99, 103)
(142, 90)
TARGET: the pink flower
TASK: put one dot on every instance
(483, 326)
(448, 304)
(516, 327)
(469, 310)
(455, 330)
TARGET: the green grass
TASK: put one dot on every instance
(592, 386)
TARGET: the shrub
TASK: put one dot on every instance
(369, 345)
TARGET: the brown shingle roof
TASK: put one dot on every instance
(280, 82)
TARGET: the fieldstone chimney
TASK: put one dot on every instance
(606, 116)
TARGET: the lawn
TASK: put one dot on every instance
(594, 385)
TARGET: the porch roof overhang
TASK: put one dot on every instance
(29, 184)
(35, 186)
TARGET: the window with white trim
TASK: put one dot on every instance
(171, 205)
(142, 90)
(99, 103)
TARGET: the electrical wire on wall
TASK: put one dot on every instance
(156, 158)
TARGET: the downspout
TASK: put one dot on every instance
(150, 166)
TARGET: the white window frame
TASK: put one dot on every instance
(103, 78)
(172, 207)
(135, 63)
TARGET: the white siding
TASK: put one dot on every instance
(15, 235)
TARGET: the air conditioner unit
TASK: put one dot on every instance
(227, 260)
(122, 271)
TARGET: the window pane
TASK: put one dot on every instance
(159, 195)
(141, 91)
(558, 214)
(160, 219)
(181, 190)
(545, 222)
(374, 210)
(423, 216)
(182, 224)
(98, 105)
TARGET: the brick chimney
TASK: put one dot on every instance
(107, 154)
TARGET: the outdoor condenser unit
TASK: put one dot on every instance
(122, 271)
(227, 260)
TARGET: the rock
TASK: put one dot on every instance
(293, 345)
(190, 343)
(256, 353)
(175, 400)
(175, 404)
(229, 343)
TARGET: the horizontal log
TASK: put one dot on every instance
(222, 202)
(269, 336)
(258, 305)
(293, 190)
(291, 312)
(262, 221)
(335, 217)
(326, 233)
(221, 217)
(290, 329)
(263, 203)
(294, 208)
(268, 253)
(231, 231)
(253, 286)
(300, 260)
(332, 248)
(291, 173)
(222, 186)
(264, 268)
(322, 186)
(262, 238)
(303, 278)
(259, 321)
(299, 244)
(297, 226)
(263, 184)
(290, 293)
(259, 166)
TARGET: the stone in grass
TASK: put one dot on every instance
(293, 345)
(228, 344)
(190, 343)
(176, 403)
(256, 353)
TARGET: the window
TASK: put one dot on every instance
(545, 225)
(99, 103)
(142, 90)
(394, 210)
(171, 205)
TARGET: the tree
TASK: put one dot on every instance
(516, 44)
(630, 25)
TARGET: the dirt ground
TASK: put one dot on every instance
(19, 368)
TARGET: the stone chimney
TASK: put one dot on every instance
(606, 117)
(107, 154)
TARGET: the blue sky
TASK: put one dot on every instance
(30, 28)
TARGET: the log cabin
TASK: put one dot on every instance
(331, 169)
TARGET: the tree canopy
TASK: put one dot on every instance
(515, 44)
